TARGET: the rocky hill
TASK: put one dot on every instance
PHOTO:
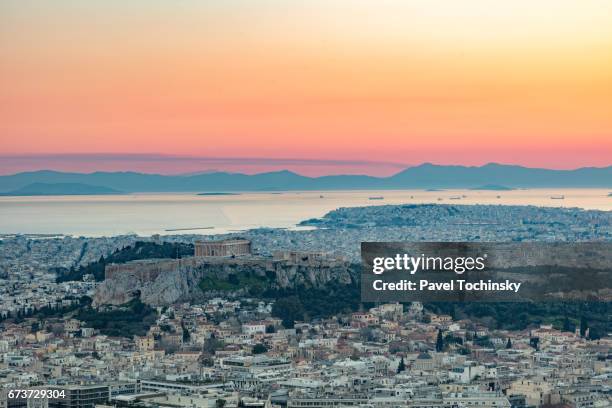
(161, 282)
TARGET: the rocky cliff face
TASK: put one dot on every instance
(178, 280)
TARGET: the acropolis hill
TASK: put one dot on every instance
(166, 281)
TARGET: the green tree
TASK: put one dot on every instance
(439, 341)
(211, 345)
(260, 348)
(35, 327)
(508, 344)
(208, 362)
(233, 279)
(583, 325)
(186, 334)
(401, 366)
(288, 309)
(567, 326)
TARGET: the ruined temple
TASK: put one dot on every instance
(226, 247)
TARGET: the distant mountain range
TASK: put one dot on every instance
(38, 189)
(425, 176)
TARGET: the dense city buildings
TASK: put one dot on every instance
(214, 337)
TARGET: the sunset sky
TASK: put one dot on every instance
(318, 86)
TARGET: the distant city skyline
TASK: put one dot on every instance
(337, 86)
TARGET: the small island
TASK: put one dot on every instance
(493, 187)
(56, 189)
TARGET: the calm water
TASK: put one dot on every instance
(147, 214)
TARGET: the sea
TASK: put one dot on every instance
(190, 213)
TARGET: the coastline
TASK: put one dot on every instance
(147, 214)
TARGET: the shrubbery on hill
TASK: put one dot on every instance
(131, 319)
(140, 250)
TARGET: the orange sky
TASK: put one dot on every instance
(399, 81)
